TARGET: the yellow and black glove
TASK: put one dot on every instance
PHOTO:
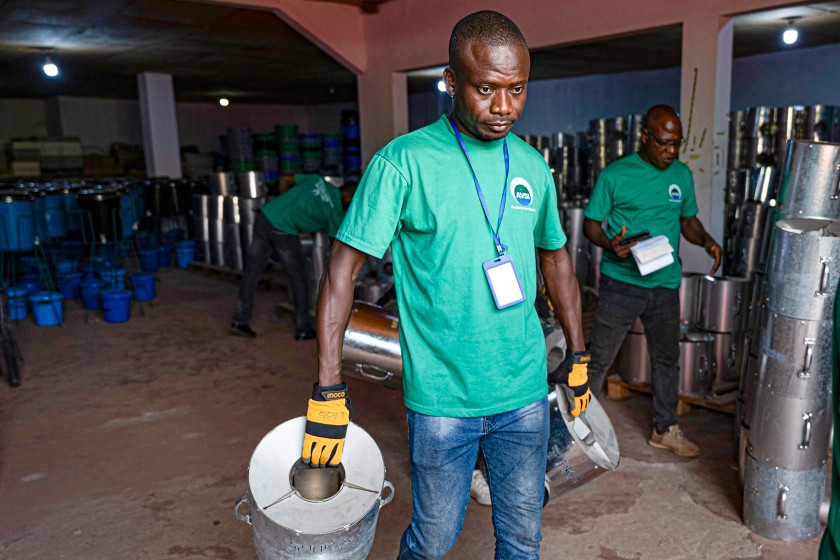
(572, 372)
(327, 418)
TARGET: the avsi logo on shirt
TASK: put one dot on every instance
(674, 194)
(521, 191)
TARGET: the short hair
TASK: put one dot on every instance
(489, 27)
(658, 111)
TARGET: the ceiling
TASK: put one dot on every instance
(217, 51)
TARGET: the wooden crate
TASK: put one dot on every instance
(618, 390)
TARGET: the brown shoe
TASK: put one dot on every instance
(674, 441)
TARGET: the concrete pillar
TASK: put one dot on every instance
(383, 109)
(705, 90)
(160, 125)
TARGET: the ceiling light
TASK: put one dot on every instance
(441, 86)
(50, 69)
(791, 34)
(224, 102)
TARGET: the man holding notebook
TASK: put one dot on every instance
(647, 200)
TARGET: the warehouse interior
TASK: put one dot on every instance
(129, 184)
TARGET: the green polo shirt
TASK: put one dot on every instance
(311, 205)
(631, 192)
(462, 357)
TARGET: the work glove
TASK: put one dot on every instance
(327, 418)
(572, 372)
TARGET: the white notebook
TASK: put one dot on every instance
(653, 254)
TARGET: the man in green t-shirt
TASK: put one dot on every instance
(650, 190)
(312, 205)
(458, 201)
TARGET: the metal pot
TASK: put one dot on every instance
(804, 268)
(723, 303)
(781, 504)
(795, 357)
(634, 362)
(789, 433)
(726, 361)
(335, 524)
(372, 344)
(689, 300)
(695, 363)
(811, 182)
(579, 449)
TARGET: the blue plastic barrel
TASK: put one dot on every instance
(71, 285)
(56, 225)
(92, 294)
(117, 305)
(72, 214)
(185, 251)
(47, 308)
(17, 303)
(143, 284)
(63, 267)
(17, 226)
(129, 215)
(164, 256)
(149, 260)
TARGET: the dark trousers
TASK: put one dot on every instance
(268, 240)
(619, 304)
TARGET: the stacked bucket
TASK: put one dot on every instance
(287, 149)
(787, 388)
(240, 149)
(267, 163)
(332, 154)
(311, 155)
(350, 139)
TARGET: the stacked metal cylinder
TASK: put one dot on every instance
(611, 139)
(586, 256)
(224, 218)
(786, 394)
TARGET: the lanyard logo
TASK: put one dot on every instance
(521, 191)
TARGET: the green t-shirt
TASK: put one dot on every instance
(631, 192)
(311, 205)
(462, 357)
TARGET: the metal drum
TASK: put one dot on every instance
(728, 351)
(804, 268)
(371, 348)
(781, 504)
(811, 182)
(251, 184)
(789, 433)
(579, 449)
(723, 303)
(689, 300)
(763, 184)
(222, 184)
(795, 358)
(297, 511)
(696, 363)
(634, 361)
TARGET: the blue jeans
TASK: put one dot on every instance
(443, 454)
(619, 303)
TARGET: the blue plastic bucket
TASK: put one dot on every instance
(89, 271)
(92, 294)
(47, 308)
(117, 305)
(17, 303)
(63, 267)
(71, 285)
(114, 278)
(164, 257)
(185, 250)
(31, 286)
(144, 286)
(149, 260)
(17, 222)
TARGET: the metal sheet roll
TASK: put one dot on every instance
(791, 434)
(723, 303)
(689, 300)
(803, 269)
(696, 363)
(795, 357)
(781, 504)
(811, 181)
(251, 184)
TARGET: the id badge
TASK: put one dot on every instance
(504, 282)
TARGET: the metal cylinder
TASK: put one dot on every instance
(723, 303)
(222, 184)
(803, 269)
(634, 361)
(810, 186)
(576, 243)
(251, 184)
(372, 344)
(728, 351)
(232, 235)
(696, 363)
(689, 300)
(764, 183)
(781, 504)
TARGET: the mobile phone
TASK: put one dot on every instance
(641, 236)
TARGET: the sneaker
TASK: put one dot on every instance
(305, 334)
(674, 441)
(242, 330)
(479, 488)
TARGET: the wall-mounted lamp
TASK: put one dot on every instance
(790, 34)
(50, 69)
(224, 102)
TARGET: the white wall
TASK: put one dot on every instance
(22, 118)
(100, 122)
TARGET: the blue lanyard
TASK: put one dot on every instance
(500, 247)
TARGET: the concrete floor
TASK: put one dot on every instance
(132, 441)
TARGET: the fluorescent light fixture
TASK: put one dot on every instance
(790, 34)
(224, 102)
(442, 86)
(50, 69)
